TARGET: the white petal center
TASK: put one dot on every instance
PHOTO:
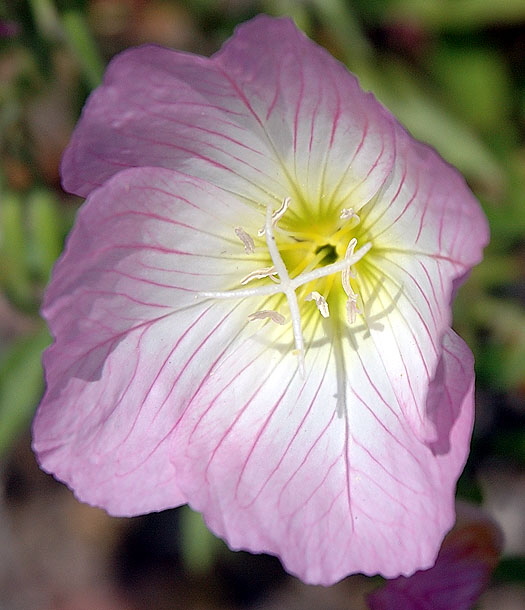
(314, 270)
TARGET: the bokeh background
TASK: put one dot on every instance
(453, 71)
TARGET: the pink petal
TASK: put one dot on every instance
(270, 114)
(274, 467)
(427, 230)
(133, 341)
(462, 571)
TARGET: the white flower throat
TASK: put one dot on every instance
(303, 283)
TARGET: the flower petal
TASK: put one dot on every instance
(128, 326)
(271, 114)
(336, 139)
(275, 467)
(427, 230)
(462, 571)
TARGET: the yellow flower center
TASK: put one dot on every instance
(305, 259)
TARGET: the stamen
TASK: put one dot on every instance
(247, 241)
(348, 214)
(263, 314)
(351, 304)
(277, 215)
(320, 301)
(259, 274)
(351, 308)
(346, 263)
(346, 274)
(288, 286)
(295, 283)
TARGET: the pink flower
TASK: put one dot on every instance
(463, 568)
(252, 314)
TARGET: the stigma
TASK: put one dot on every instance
(302, 286)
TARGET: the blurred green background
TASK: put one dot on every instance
(452, 71)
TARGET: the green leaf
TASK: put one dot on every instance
(503, 360)
(338, 18)
(290, 8)
(477, 83)
(45, 226)
(83, 45)
(199, 546)
(21, 384)
(46, 20)
(506, 218)
(456, 14)
(14, 271)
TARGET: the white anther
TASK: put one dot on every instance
(349, 214)
(277, 215)
(320, 301)
(287, 286)
(267, 314)
(351, 304)
(247, 241)
(351, 308)
(259, 274)
(346, 274)
(277, 288)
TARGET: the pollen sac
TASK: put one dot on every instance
(247, 241)
(267, 314)
(320, 301)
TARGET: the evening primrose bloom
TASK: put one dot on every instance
(252, 313)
